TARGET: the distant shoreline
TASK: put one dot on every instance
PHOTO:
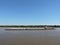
(30, 27)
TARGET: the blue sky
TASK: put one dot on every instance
(29, 12)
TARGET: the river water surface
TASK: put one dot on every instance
(30, 37)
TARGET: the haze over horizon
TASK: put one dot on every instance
(30, 12)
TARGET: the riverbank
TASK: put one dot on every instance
(29, 27)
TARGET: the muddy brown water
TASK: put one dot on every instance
(30, 37)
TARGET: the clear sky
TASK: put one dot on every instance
(29, 11)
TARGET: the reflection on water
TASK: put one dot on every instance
(30, 37)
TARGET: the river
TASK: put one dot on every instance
(30, 37)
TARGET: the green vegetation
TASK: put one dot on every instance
(29, 25)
